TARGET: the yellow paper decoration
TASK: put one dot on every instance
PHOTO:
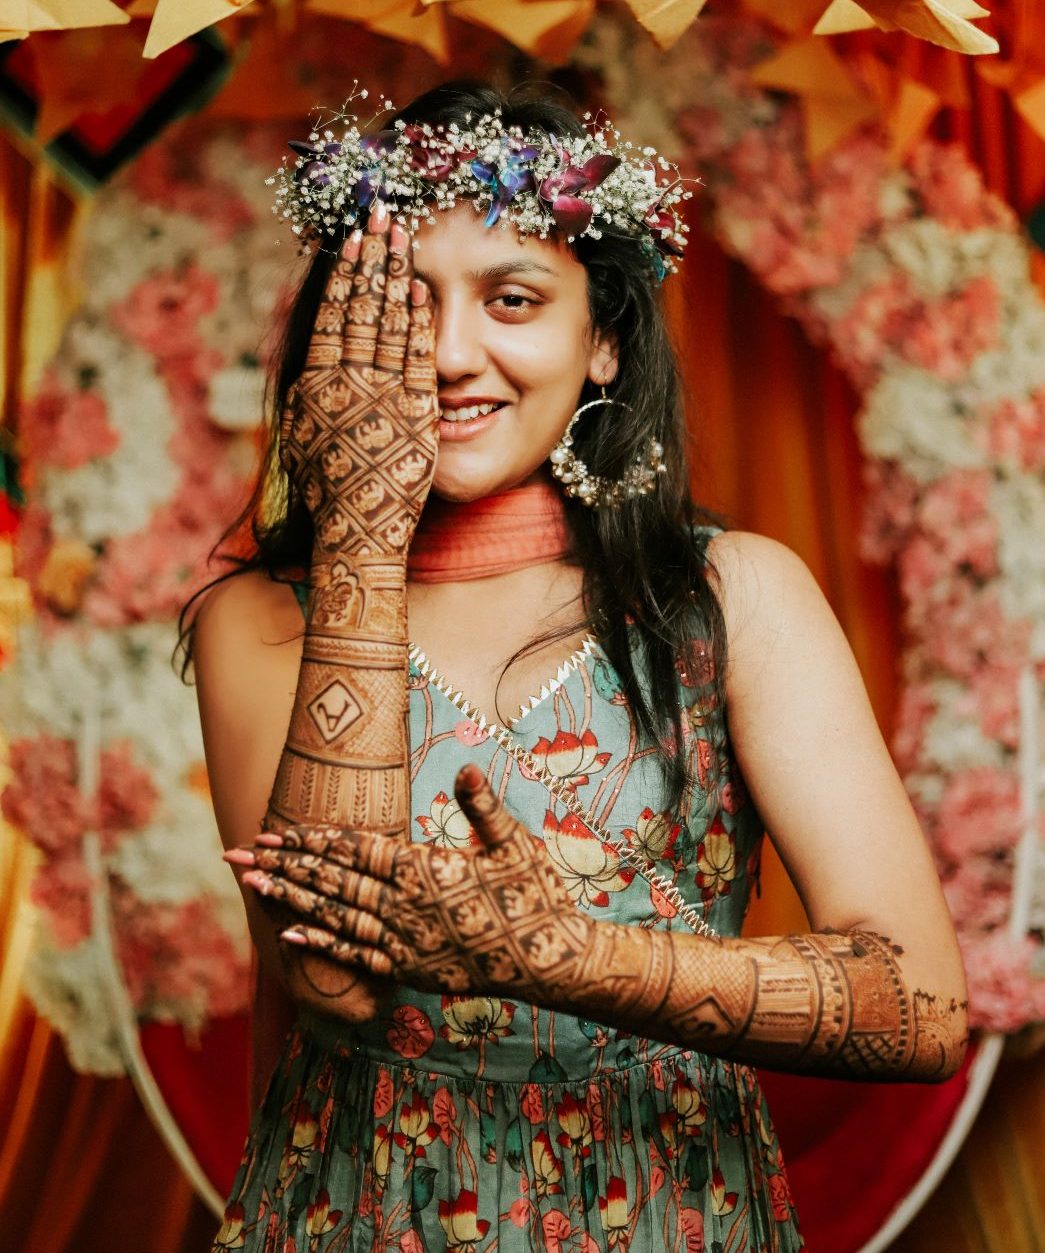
(19, 18)
(1030, 103)
(833, 103)
(542, 28)
(175, 20)
(943, 22)
(666, 20)
(398, 19)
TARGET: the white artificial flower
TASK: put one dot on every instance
(177, 856)
(115, 494)
(237, 398)
(953, 739)
(1018, 503)
(911, 416)
(67, 988)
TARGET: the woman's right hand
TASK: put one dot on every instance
(359, 431)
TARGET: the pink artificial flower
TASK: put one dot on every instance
(62, 888)
(797, 227)
(34, 541)
(163, 177)
(915, 710)
(994, 699)
(955, 513)
(970, 633)
(891, 495)
(1004, 994)
(1014, 431)
(42, 798)
(872, 327)
(126, 796)
(952, 190)
(65, 428)
(979, 893)
(979, 813)
(946, 336)
(177, 953)
(162, 312)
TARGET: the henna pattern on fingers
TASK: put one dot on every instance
(497, 920)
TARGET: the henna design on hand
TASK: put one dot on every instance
(498, 920)
(494, 917)
(358, 439)
(358, 433)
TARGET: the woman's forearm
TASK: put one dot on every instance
(823, 1003)
(344, 762)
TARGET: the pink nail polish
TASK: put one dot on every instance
(398, 239)
(350, 250)
(239, 857)
(269, 839)
(258, 881)
(293, 937)
(418, 292)
(379, 218)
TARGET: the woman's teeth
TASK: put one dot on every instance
(463, 415)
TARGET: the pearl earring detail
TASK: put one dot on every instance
(594, 489)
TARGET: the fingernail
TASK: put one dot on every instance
(378, 218)
(471, 776)
(258, 881)
(239, 857)
(293, 937)
(351, 248)
(269, 839)
(398, 239)
(418, 292)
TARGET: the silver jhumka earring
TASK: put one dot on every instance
(594, 489)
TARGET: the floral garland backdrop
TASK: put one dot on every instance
(914, 277)
(140, 441)
(918, 281)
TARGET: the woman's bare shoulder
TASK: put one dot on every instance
(250, 608)
(761, 585)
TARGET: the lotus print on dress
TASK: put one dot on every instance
(589, 869)
(572, 758)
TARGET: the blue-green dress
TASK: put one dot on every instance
(474, 1123)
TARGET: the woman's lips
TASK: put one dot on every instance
(469, 428)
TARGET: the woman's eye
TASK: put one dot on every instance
(513, 301)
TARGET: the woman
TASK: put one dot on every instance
(525, 1017)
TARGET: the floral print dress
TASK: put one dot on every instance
(478, 1123)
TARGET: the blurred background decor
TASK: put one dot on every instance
(865, 236)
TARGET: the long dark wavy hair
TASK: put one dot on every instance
(646, 587)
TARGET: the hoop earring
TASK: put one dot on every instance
(594, 490)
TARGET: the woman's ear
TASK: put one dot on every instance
(602, 367)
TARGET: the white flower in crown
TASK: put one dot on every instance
(576, 185)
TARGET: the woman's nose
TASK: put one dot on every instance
(459, 351)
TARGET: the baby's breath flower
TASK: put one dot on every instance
(539, 183)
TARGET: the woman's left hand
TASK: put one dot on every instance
(496, 918)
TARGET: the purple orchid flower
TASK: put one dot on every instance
(432, 156)
(506, 180)
(560, 190)
(662, 224)
(368, 185)
(316, 170)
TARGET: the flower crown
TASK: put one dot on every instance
(576, 185)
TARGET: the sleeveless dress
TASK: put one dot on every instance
(478, 1123)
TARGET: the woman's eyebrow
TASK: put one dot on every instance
(502, 270)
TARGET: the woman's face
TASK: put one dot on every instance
(513, 333)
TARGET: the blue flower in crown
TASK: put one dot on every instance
(506, 178)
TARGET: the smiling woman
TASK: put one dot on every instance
(523, 1010)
